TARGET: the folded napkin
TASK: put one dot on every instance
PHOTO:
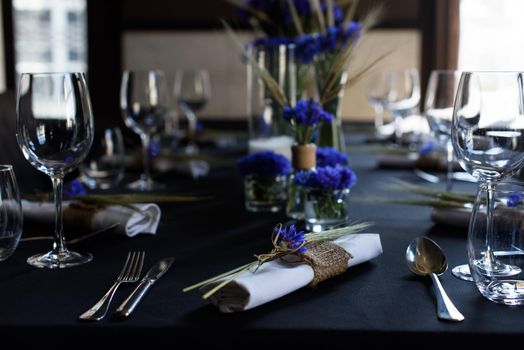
(86, 218)
(277, 278)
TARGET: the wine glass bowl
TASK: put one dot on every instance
(144, 103)
(192, 92)
(438, 109)
(55, 133)
(402, 97)
(488, 124)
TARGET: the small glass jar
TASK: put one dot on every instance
(325, 208)
(265, 193)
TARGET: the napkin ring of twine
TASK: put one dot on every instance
(326, 258)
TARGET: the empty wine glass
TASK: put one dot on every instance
(144, 103)
(11, 218)
(403, 96)
(192, 91)
(55, 132)
(438, 109)
(488, 140)
(376, 91)
(104, 166)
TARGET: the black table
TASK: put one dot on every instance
(377, 301)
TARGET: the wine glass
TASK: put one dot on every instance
(438, 109)
(144, 103)
(192, 91)
(488, 140)
(376, 91)
(104, 166)
(403, 96)
(11, 218)
(55, 132)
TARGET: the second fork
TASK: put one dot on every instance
(129, 274)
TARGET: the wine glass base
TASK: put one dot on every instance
(145, 185)
(462, 272)
(496, 268)
(59, 259)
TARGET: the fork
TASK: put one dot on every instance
(130, 273)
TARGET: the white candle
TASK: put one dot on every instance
(278, 144)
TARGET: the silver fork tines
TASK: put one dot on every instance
(129, 274)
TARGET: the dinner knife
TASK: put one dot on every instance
(154, 273)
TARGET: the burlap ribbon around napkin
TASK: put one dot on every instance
(327, 260)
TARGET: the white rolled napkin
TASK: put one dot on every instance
(277, 278)
(131, 221)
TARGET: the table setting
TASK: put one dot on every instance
(287, 226)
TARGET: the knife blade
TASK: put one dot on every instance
(155, 272)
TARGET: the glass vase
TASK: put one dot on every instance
(332, 134)
(303, 158)
(265, 193)
(325, 208)
(268, 130)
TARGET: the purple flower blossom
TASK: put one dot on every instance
(307, 112)
(514, 199)
(153, 149)
(290, 238)
(336, 37)
(264, 163)
(328, 156)
(427, 148)
(75, 188)
(334, 178)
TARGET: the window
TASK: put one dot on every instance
(490, 35)
(50, 35)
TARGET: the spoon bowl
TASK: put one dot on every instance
(425, 257)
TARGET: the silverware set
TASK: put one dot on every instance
(130, 274)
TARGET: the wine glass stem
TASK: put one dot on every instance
(490, 191)
(398, 128)
(59, 233)
(449, 163)
(146, 177)
(379, 116)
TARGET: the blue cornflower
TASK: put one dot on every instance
(290, 238)
(270, 42)
(154, 149)
(75, 188)
(514, 199)
(307, 112)
(427, 148)
(334, 178)
(306, 47)
(264, 163)
(328, 156)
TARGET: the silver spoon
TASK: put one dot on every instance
(424, 257)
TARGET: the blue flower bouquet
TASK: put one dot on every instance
(326, 196)
(265, 181)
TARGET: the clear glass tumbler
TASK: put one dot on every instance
(505, 245)
(11, 218)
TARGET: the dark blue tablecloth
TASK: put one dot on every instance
(375, 302)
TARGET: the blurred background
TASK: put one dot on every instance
(105, 37)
